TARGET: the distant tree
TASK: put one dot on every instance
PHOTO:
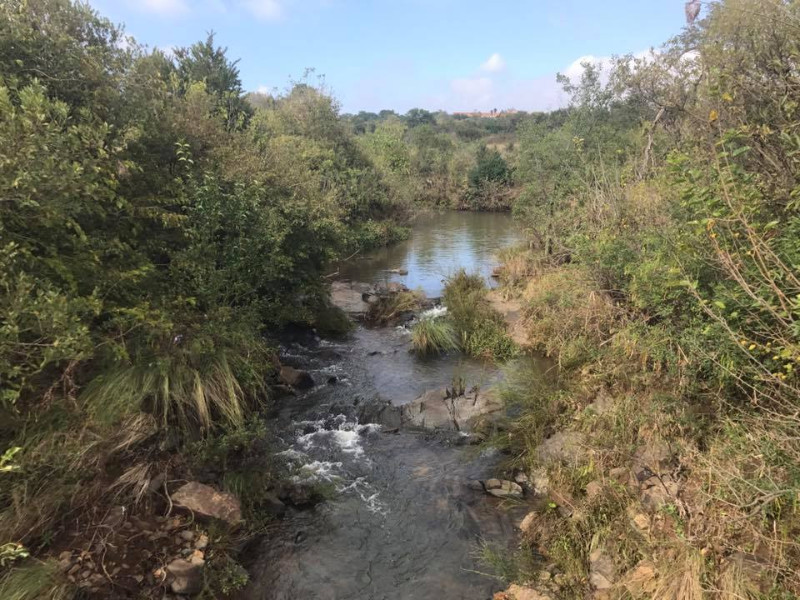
(419, 116)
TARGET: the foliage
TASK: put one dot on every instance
(664, 210)
(157, 225)
(481, 331)
(433, 336)
(36, 582)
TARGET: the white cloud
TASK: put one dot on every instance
(268, 10)
(166, 7)
(262, 89)
(494, 64)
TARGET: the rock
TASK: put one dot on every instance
(272, 505)
(476, 485)
(435, 409)
(518, 592)
(206, 502)
(640, 520)
(299, 494)
(497, 272)
(528, 522)
(350, 297)
(186, 535)
(505, 489)
(296, 378)
(621, 475)
(654, 458)
(602, 572)
(564, 446)
(399, 271)
(749, 567)
(395, 287)
(641, 580)
(657, 492)
(186, 575)
(593, 489)
(115, 517)
(521, 478)
(540, 482)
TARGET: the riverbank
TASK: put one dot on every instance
(630, 472)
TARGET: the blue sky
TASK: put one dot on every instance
(399, 54)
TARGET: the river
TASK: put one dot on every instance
(402, 522)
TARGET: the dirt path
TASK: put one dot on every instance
(512, 313)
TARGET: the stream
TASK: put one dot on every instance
(401, 522)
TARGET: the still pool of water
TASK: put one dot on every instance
(439, 245)
(403, 523)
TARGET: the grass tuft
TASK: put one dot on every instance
(433, 336)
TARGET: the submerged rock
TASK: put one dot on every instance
(206, 502)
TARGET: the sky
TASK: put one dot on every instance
(454, 55)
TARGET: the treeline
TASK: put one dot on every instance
(448, 161)
(665, 278)
(156, 226)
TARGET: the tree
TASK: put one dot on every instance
(208, 63)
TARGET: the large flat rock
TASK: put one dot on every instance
(436, 410)
(348, 296)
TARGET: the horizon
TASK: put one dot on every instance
(440, 56)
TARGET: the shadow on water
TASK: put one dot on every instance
(403, 522)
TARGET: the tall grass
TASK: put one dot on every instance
(433, 336)
(184, 391)
(41, 581)
(480, 329)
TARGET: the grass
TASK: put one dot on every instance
(36, 581)
(189, 393)
(481, 330)
(391, 307)
(433, 336)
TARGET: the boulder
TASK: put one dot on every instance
(186, 576)
(206, 502)
(436, 409)
(296, 378)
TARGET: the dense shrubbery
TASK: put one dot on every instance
(672, 192)
(155, 225)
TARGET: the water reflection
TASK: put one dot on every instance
(439, 245)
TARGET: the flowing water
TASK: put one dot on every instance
(402, 522)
